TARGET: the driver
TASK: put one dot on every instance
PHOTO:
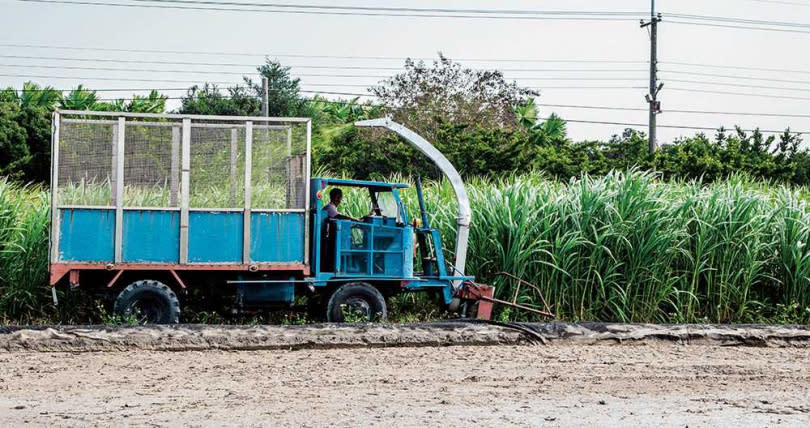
(335, 198)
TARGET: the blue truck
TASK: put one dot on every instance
(151, 209)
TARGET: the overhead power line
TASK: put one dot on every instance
(348, 94)
(357, 10)
(354, 67)
(734, 67)
(164, 89)
(100, 90)
(732, 76)
(336, 67)
(738, 85)
(146, 70)
(396, 9)
(510, 14)
(312, 56)
(370, 76)
(694, 128)
(192, 81)
(732, 20)
(742, 94)
(182, 98)
(189, 81)
(350, 85)
(791, 3)
(741, 27)
(724, 113)
(116, 79)
(351, 94)
(71, 67)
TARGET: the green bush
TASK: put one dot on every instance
(477, 151)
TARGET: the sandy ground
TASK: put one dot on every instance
(645, 384)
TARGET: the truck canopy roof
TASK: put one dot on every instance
(361, 183)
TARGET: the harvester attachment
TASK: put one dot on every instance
(479, 299)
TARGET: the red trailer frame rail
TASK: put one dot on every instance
(59, 270)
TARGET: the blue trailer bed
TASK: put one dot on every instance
(179, 191)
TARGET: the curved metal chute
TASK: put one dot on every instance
(464, 213)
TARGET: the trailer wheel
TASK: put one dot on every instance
(150, 302)
(356, 302)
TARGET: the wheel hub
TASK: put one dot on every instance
(357, 306)
(147, 310)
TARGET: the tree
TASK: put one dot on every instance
(284, 99)
(14, 153)
(211, 101)
(34, 96)
(425, 97)
(79, 99)
(152, 103)
(35, 105)
(554, 128)
(283, 94)
(552, 131)
(364, 153)
(526, 113)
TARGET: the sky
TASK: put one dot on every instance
(560, 58)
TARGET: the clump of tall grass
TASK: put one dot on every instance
(628, 247)
(24, 221)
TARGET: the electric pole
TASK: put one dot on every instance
(265, 97)
(652, 97)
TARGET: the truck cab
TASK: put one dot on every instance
(385, 249)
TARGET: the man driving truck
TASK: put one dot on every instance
(335, 198)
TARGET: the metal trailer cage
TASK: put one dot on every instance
(179, 190)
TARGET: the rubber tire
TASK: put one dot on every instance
(161, 294)
(362, 290)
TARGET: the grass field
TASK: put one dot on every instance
(624, 247)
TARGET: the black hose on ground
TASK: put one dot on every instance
(534, 337)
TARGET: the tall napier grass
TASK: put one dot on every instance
(628, 247)
(24, 220)
(623, 247)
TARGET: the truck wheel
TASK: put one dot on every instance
(356, 302)
(150, 302)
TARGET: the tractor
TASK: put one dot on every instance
(151, 209)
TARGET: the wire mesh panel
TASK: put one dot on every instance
(152, 153)
(217, 165)
(86, 162)
(278, 167)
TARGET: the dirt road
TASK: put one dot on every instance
(648, 384)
